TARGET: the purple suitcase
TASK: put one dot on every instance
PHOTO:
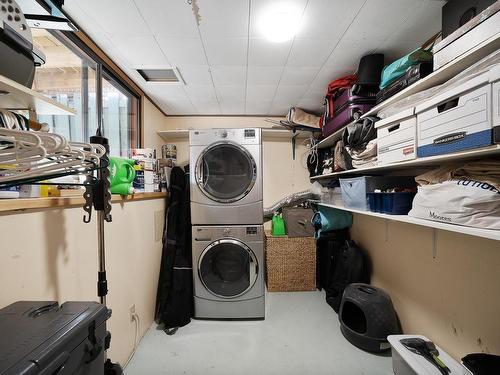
(348, 108)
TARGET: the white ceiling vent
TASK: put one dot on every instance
(171, 75)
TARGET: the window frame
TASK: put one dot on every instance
(72, 40)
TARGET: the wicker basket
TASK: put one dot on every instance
(290, 263)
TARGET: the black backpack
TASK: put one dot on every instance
(347, 265)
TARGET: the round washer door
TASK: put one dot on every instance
(225, 172)
(228, 268)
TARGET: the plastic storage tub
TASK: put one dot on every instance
(398, 203)
(405, 362)
(355, 189)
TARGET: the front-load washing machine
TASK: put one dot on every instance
(226, 176)
(228, 272)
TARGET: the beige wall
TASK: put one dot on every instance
(154, 120)
(452, 298)
(282, 175)
(52, 255)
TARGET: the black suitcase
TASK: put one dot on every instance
(412, 75)
(45, 338)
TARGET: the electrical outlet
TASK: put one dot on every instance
(132, 312)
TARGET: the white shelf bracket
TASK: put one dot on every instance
(434, 243)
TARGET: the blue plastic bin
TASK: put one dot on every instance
(397, 203)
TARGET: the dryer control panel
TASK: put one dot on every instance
(205, 137)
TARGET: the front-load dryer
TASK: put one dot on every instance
(228, 272)
(226, 176)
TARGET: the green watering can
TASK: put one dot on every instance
(121, 175)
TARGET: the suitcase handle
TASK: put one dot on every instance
(56, 366)
(447, 105)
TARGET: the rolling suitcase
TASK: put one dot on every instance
(412, 75)
(48, 338)
(349, 107)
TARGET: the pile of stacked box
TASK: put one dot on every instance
(456, 116)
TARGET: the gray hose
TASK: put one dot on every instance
(290, 200)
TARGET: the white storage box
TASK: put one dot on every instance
(405, 362)
(483, 29)
(457, 119)
(396, 137)
(354, 189)
(495, 80)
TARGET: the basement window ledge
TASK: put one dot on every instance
(21, 205)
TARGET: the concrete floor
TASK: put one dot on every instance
(300, 336)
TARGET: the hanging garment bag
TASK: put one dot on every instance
(174, 301)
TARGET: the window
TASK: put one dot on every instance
(70, 77)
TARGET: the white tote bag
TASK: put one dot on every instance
(462, 202)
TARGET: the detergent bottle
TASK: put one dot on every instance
(278, 225)
(121, 175)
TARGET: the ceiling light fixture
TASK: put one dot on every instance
(280, 22)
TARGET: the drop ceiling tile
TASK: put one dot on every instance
(262, 52)
(328, 18)
(226, 51)
(393, 50)
(261, 92)
(166, 91)
(224, 18)
(424, 23)
(202, 93)
(257, 107)
(264, 75)
(230, 93)
(206, 107)
(228, 75)
(181, 51)
(167, 18)
(290, 93)
(127, 22)
(317, 97)
(310, 52)
(298, 76)
(233, 107)
(260, 7)
(83, 19)
(357, 47)
(141, 51)
(196, 75)
(281, 108)
(177, 107)
(379, 22)
(311, 105)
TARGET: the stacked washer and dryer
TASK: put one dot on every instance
(227, 223)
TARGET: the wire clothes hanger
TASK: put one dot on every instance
(35, 156)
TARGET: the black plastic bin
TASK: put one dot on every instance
(40, 337)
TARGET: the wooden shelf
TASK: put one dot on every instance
(15, 96)
(31, 204)
(438, 77)
(478, 232)
(414, 165)
(267, 133)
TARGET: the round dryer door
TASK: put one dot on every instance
(225, 172)
(228, 268)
